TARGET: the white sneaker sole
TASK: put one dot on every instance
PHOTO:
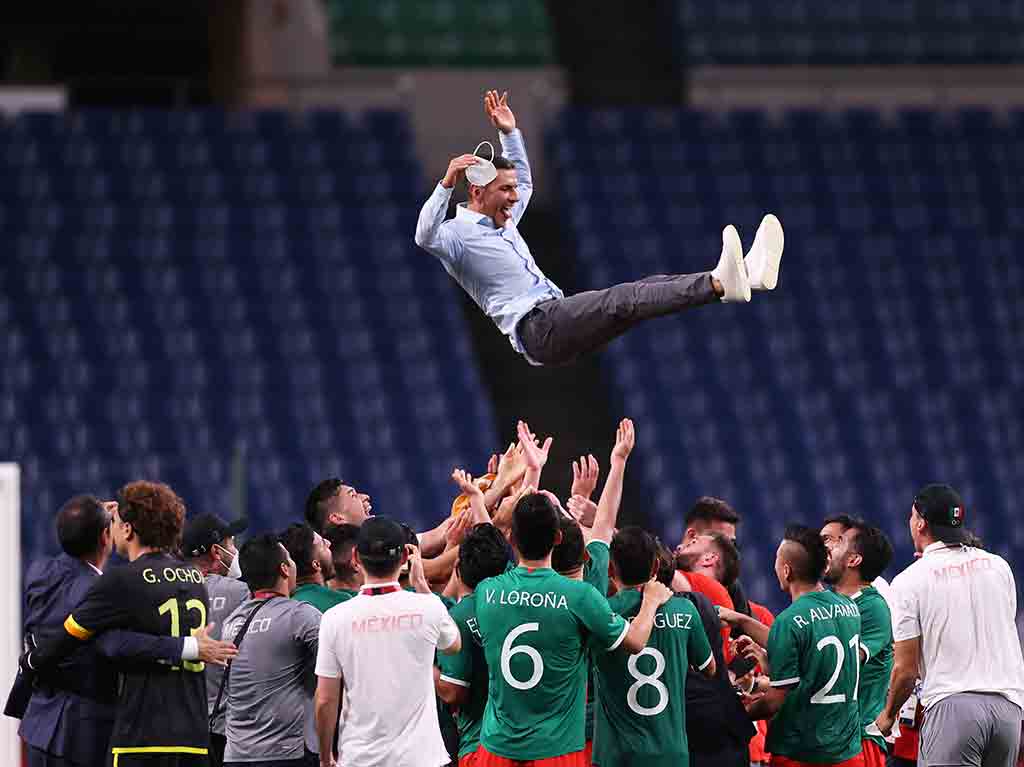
(766, 254)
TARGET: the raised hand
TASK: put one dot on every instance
(492, 464)
(457, 531)
(584, 476)
(466, 484)
(536, 455)
(511, 466)
(417, 579)
(497, 109)
(625, 439)
(583, 510)
(456, 168)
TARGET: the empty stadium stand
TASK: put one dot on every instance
(892, 352)
(178, 286)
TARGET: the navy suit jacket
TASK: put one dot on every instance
(72, 709)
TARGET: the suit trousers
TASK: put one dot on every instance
(561, 330)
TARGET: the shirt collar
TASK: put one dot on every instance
(937, 546)
(462, 211)
(367, 586)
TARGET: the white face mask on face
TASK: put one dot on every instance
(235, 568)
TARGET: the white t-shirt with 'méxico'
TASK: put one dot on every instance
(382, 647)
(962, 603)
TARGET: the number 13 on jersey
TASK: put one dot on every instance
(171, 606)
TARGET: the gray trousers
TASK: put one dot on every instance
(970, 729)
(561, 330)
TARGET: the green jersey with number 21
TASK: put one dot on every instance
(814, 651)
(535, 626)
(641, 701)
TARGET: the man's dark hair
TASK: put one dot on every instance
(809, 564)
(710, 509)
(730, 558)
(501, 162)
(261, 558)
(567, 556)
(874, 548)
(534, 526)
(298, 539)
(483, 554)
(155, 512)
(316, 502)
(844, 520)
(666, 564)
(634, 551)
(80, 525)
(380, 568)
(343, 540)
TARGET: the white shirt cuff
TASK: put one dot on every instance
(190, 649)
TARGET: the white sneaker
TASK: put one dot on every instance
(732, 270)
(765, 254)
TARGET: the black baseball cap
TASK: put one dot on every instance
(381, 539)
(943, 509)
(204, 530)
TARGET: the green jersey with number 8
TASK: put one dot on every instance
(536, 626)
(641, 703)
(814, 651)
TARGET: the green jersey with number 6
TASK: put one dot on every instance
(536, 626)
(876, 639)
(641, 701)
(814, 651)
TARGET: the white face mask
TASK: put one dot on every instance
(235, 568)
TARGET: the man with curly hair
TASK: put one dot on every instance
(161, 716)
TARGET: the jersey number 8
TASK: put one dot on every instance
(653, 680)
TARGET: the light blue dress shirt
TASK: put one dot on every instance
(493, 265)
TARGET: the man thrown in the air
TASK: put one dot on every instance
(482, 249)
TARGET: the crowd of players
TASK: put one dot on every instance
(520, 631)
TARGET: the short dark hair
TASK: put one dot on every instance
(730, 558)
(316, 502)
(634, 551)
(534, 526)
(808, 566)
(501, 162)
(298, 539)
(261, 558)
(666, 564)
(155, 512)
(483, 554)
(710, 509)
(568, 554)
(380, 568)
(841, 519)
(343, 540)
(874, 548)
(80, 525)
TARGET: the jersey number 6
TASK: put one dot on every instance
(508, 650)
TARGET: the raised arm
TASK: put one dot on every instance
(611, 495)
(430, 235)
(512, 147)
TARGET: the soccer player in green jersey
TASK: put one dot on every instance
(641, 705)
(813, 664)
(536, 626)
(859, 556)
(461, 679)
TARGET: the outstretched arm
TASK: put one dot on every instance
(611, 496)
(512, 147)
